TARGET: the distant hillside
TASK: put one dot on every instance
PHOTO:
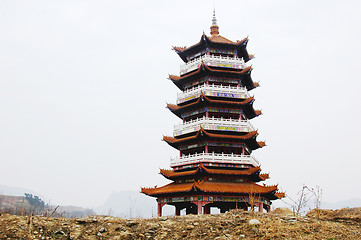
(351, 203)
(128, 204)
(13, 204)
(16, 191)
(131, 204)
(21, 205)
(73, 211)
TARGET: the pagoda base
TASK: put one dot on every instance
(197, 205)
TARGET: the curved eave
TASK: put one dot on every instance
(247, 106)
(280, 195)
(171, 174)
(243, 75)
(202, 132)
(263, 176)
(169, 188)
(249, 139)
(261, 144)
(258, 112)
(212, 187)
(179, 49)
(175, 108)
(204, 67)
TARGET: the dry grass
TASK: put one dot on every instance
(231, 225)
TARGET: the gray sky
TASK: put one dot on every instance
(83, 88)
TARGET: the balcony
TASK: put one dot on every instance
(212, 90)
(221, 124)
(214, 158)
(213, 61)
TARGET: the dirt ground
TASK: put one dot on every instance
(236, 224)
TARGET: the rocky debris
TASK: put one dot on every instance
(351, 215)
(231, 225)
(254, 222)
(283, 211)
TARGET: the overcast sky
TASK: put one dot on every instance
(83, 89)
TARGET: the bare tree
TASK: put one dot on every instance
(317, 193)
(304, 196)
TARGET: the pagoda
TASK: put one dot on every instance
(215, 167)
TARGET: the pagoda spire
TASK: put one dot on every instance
(214, 27)
(214, 20)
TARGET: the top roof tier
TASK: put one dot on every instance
(215, 44)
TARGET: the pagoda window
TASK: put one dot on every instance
(239, 180)
(222, 52)
(221, 81)
(226, 180)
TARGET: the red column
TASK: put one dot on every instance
(200, 208)
(184, 120)
(180, 153)
(260, 207)
(160, 205)
(206, 149)
(243, 151)
(177, 211)
(207, 209)
(207, 114)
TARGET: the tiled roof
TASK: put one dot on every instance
(201, 167)
(211, 187)
(203, 67)
(212, 39)
(173, 107)
(220, 39)
(201, 132)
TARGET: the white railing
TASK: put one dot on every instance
(212, 90)
(221, 124)
(213, 61)
(214, 158)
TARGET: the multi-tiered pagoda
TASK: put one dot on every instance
(216, 139)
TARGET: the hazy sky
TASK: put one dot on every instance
(83, 89)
